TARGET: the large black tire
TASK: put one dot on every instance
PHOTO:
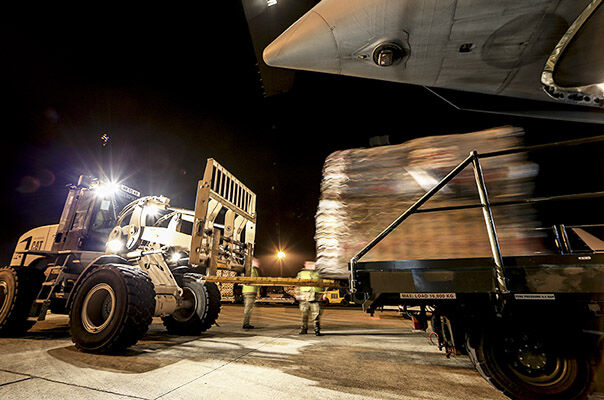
(112, 309)
(523, 364)
(19, 287)
(204, 298)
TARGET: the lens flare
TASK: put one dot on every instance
(107, 189)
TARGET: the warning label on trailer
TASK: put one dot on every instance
(534, 296)
(430, 296)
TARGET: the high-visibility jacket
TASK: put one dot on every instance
(306, 274)
(251, 288)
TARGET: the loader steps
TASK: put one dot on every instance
(40, 309)
(55, 276)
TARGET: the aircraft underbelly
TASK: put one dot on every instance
(487, 46)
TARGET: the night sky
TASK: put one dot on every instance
(174, 90)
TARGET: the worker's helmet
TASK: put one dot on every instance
(255, 263)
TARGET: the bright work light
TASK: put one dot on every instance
(115, 246)
(176, 257)
(280, 255)
(107, 189)
(152, 210)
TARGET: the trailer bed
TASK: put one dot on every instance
(572, 273)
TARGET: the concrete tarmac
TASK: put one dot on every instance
(359, 357)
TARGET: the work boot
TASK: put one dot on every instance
(248, 326)
(303, 331)
(317, 332)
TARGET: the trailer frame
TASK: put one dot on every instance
(531, 325)
(499, 272)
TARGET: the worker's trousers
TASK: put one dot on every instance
(315, 308)
(249, 299)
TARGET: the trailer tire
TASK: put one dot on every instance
(204, 298)
(112, 309)
(503, 357)
(19, 287)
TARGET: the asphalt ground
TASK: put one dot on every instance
(358, 357)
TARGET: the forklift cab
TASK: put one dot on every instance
(90, 213)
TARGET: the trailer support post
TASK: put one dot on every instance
(405, 215)
(490, 224)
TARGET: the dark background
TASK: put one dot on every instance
(175, 89)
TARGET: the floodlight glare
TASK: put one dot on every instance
(115, 245)
(175, 257)
(152, 210)
(107, 189)
(280, 255)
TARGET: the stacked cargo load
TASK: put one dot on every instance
(364, 190)
(228, 291)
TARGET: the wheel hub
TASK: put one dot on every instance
(189, 306)
(98, 308)
(532, 362)
(532, 357)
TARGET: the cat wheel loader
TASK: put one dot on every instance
(115, 260)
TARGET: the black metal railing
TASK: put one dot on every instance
(474, 159)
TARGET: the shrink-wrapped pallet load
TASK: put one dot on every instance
(364, 190)
(227, 290)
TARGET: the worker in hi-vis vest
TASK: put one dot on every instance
(310, 297)
(249, 296)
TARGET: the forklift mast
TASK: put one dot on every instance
(224, 228)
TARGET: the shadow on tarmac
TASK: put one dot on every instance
(156, 350)
(60, 332)
(392, 362)
(352, 369)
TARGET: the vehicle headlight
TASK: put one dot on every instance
(176, 257)
(115, 245)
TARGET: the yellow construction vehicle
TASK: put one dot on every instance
(338, 296)
(112, 271)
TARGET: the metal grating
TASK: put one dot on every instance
(225, 185)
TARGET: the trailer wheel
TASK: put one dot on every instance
(112, 309)
(523, 364)
(18, 290)
(201, 302)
